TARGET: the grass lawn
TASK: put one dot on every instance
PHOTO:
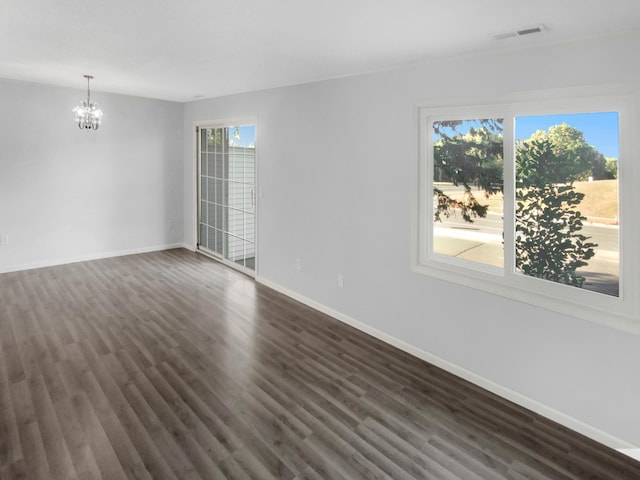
(600, 203)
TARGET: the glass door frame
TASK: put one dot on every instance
(232, 123)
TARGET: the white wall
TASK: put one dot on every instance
(70, 194)
(336, 163)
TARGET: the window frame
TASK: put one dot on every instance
(621, 312)
(222, 257)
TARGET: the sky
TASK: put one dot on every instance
(600, 129)
(247, 134)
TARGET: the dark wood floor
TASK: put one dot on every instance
(170, 366)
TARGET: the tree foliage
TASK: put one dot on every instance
(548, 241)
(548, 224)
(572, 159)
(472, 159)
(611, 167)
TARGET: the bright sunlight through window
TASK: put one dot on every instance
(524, 200)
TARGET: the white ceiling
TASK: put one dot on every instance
(183, 50)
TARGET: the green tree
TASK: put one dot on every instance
(574, 158)
(472, 159)
(548, 241)
(611, 166)
(214, 136)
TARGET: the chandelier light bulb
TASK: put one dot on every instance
(88, 115)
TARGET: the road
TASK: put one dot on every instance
(481, 241)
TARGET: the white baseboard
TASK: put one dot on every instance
(504, 392)
(94, 256)
(632, 452)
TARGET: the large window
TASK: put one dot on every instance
(526, 200)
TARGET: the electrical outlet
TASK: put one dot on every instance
(4, 240)
(340, 280)
(298, 264)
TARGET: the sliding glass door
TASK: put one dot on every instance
(226, 196)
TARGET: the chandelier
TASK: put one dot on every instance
(88, 115)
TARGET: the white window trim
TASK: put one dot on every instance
(621, 312)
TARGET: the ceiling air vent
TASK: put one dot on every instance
(520, 33)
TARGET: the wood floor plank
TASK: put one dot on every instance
(75, 439)
(267, 461)
(380, 442)
(129, 458)
(185, 456)
(101, 448)
(60, 463)
(15, 471)
(201, 419)
(170, 366)
(139, 437)
(30, 437)
(12, 360)
(10, 449)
